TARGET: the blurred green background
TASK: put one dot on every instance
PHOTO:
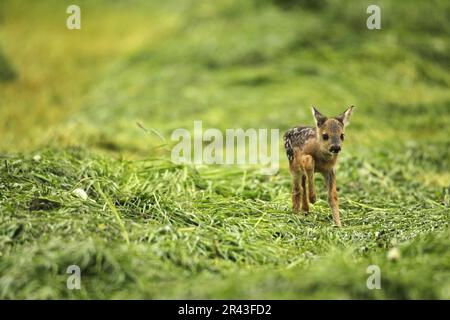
(166, 65)
(231, 64)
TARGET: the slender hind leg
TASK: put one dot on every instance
(308, 167)
(296, 190)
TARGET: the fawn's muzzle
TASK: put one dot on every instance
(335, 149)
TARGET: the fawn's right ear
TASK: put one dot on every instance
(318, 117)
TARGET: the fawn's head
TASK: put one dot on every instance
(330, 131)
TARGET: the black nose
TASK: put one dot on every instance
(335, 149)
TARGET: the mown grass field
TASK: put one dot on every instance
(70, 101)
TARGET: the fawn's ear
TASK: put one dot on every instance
(344, 118)
(318, 117)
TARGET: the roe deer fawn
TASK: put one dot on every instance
(315, 149)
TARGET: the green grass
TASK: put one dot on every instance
(152, 229)
(7, 72)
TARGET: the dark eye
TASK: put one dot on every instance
(325, 136)
(342, 137)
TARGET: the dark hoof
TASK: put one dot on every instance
(312, 198)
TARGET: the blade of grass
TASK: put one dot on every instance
(113, 208)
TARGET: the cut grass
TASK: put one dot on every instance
(189, 224)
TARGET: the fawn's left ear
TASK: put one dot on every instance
(345, 117)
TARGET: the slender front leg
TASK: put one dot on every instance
(333, 201)
(305, 206)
